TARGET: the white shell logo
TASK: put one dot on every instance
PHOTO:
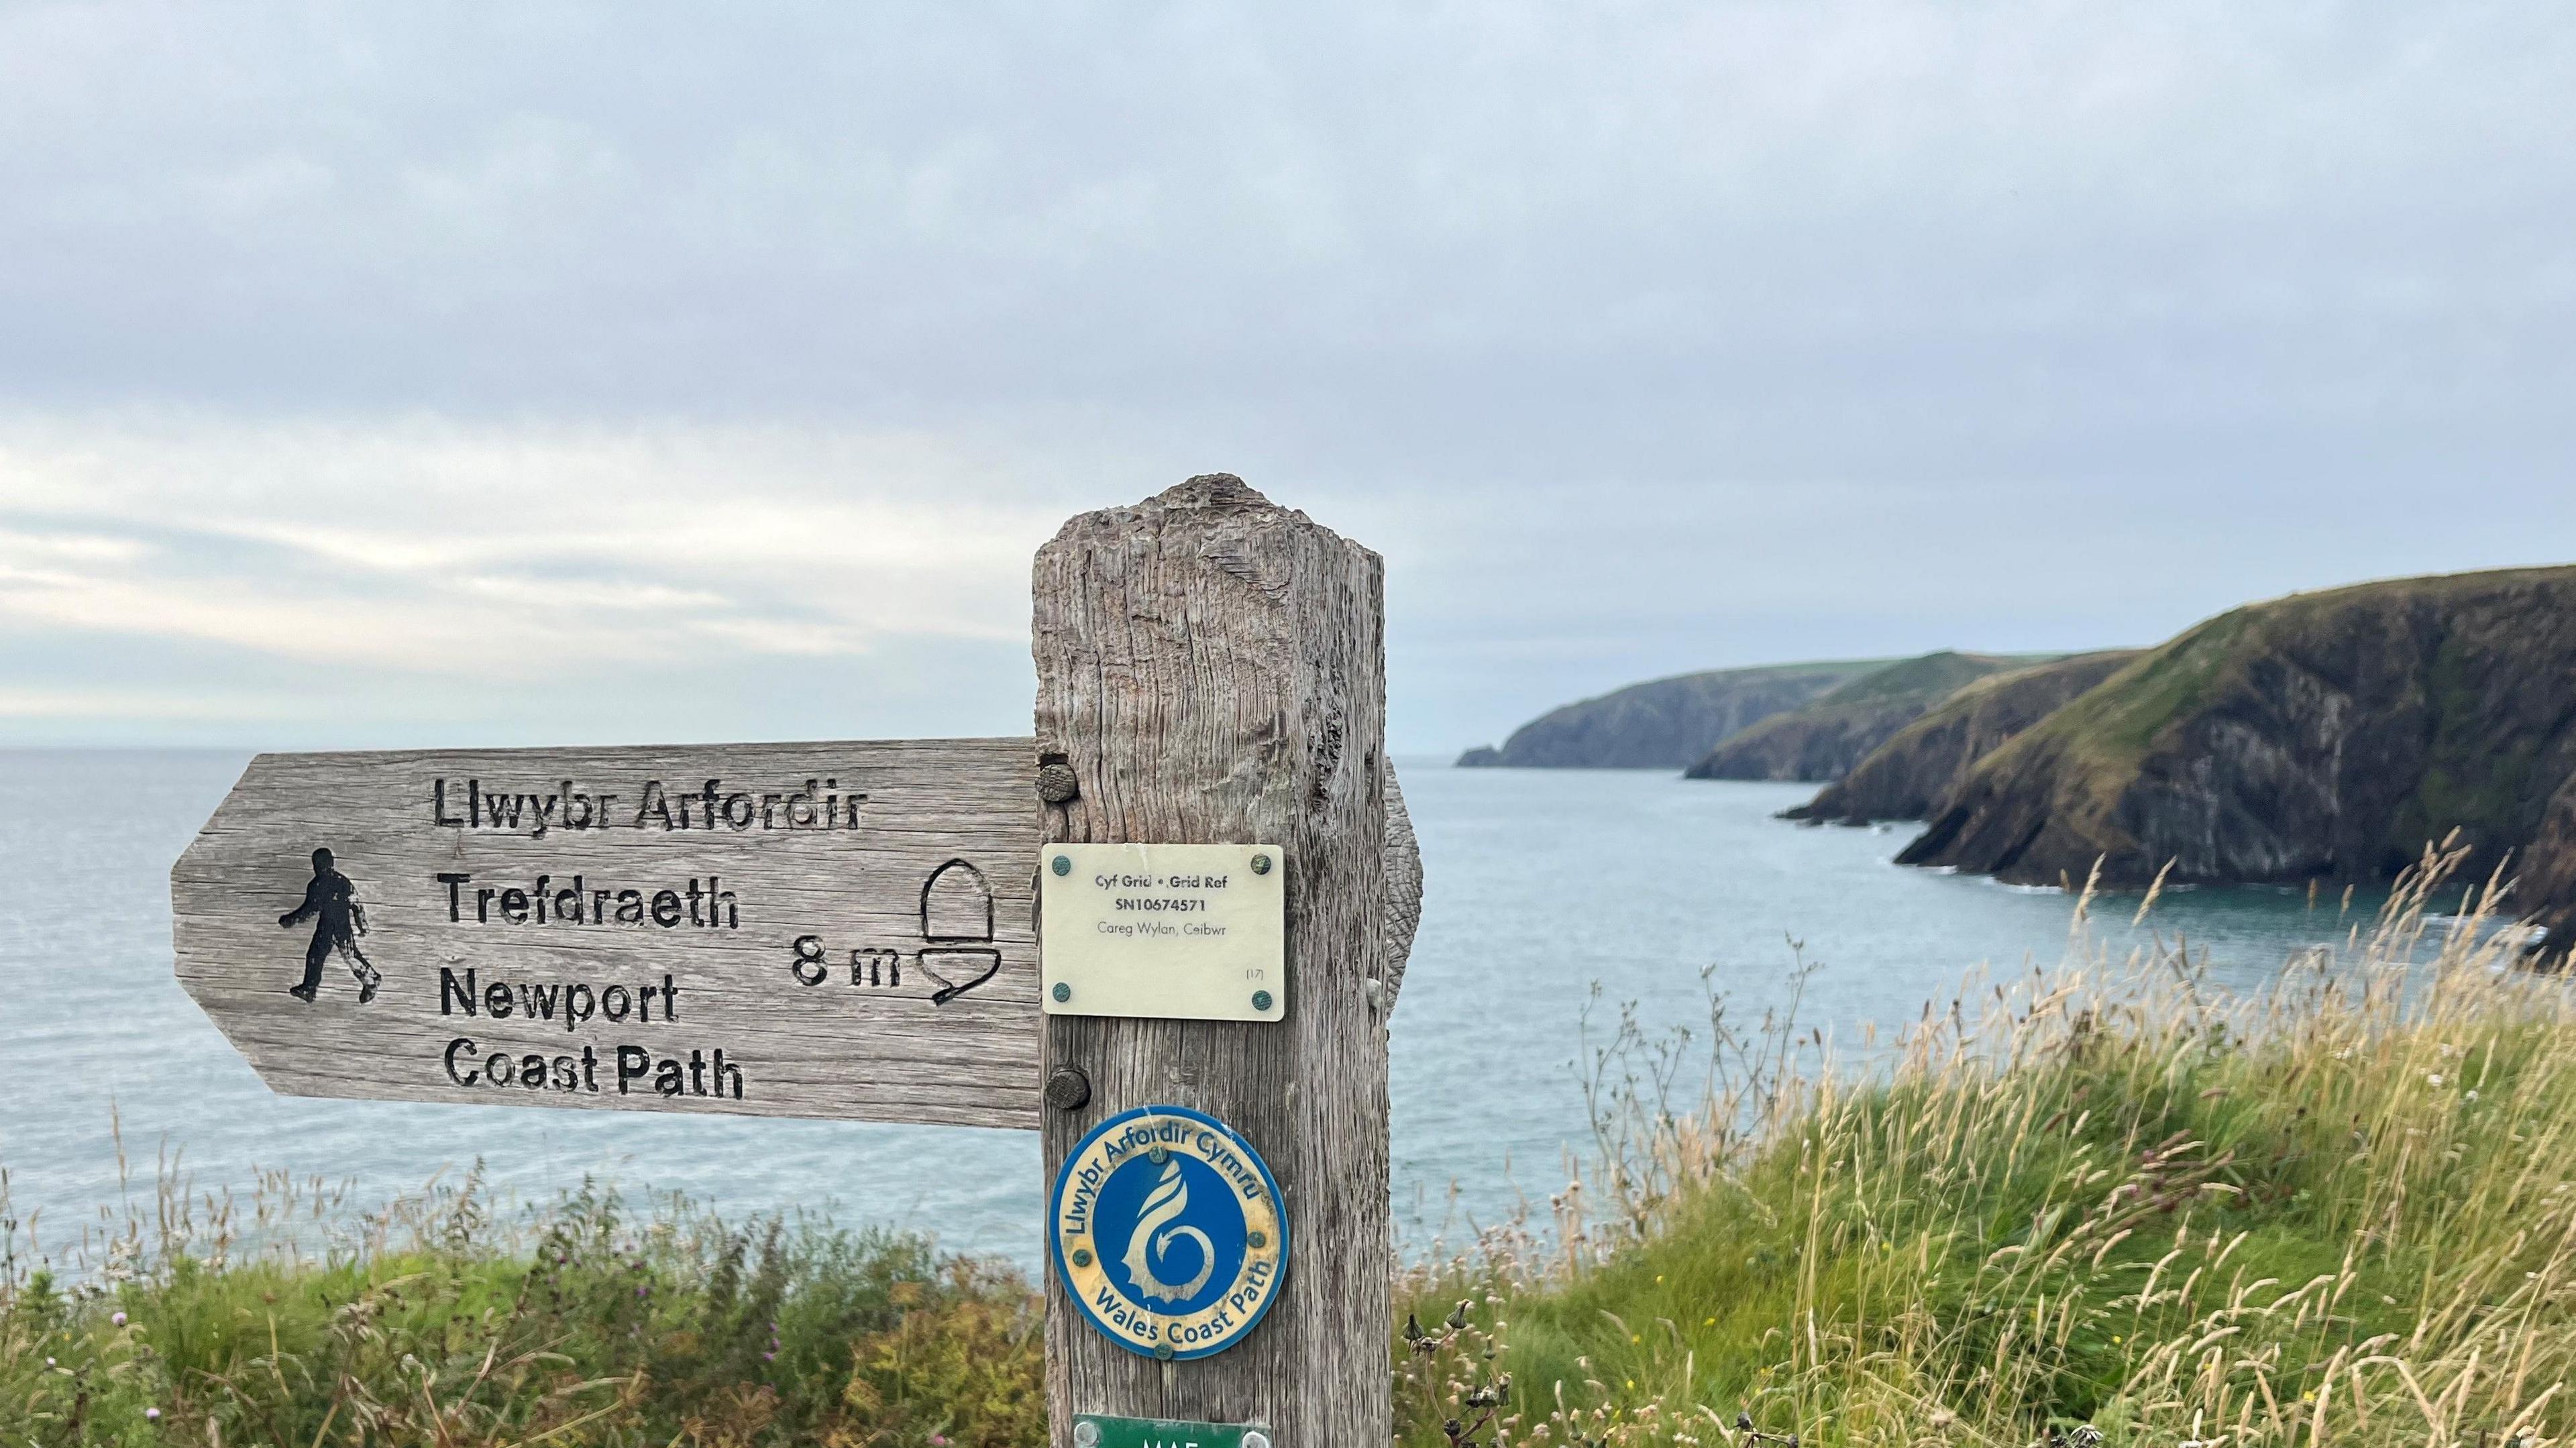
(1169, 1198)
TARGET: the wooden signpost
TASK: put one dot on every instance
(850, 930)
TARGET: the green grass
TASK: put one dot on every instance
(1935, 675)
(430, 1325)
(2106, 1197)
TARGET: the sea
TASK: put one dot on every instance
(1554, 900)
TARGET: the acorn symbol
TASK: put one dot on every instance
(957, 928)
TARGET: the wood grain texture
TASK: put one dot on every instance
(866, 1051)
(1212, 668)
(1403, 855)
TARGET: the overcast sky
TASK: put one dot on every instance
(578, 373)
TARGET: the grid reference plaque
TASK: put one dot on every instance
(1169, 932)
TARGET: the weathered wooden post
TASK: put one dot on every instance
(1211, 670)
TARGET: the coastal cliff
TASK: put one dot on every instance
(1912, 775)
(2547, 892)
(1825, 739)
(2324, 736)
(1664, 723)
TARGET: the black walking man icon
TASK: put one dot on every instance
(338, 921)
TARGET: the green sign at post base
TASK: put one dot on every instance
(1098, 1430)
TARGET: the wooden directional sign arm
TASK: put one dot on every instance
(818, 930)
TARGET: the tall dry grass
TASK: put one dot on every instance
(2107, 1199)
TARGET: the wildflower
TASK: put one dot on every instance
(116, 1319)
(152, 1415)
(2434, 1077)
(2473, 1094)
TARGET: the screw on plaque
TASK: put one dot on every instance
(1261, 1000)
(1257, 1240)
(1081, 1256)
(1086, 1434)
(1063, 866)
(1261, 864)
(1067, 1089)
(1255, 1438)
(1163, 1350)
(1062, 992)
(1158, 1153)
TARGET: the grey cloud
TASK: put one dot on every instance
(1641, 337)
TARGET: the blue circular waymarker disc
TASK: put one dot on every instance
(1168, 1232)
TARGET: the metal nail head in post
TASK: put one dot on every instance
(1085, 1435)
(1067, 1089)
(1261, 864)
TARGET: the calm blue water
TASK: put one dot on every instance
(1540, 884)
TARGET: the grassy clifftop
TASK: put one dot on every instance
(1825, 739)
(1665, 723)
(1916, 771)
(2110, 1199)
(2321, 736)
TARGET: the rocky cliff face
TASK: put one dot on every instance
(2547, 888)
(1827, 738)
(2322, 736)
(1666, 723)
(1912, 775)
